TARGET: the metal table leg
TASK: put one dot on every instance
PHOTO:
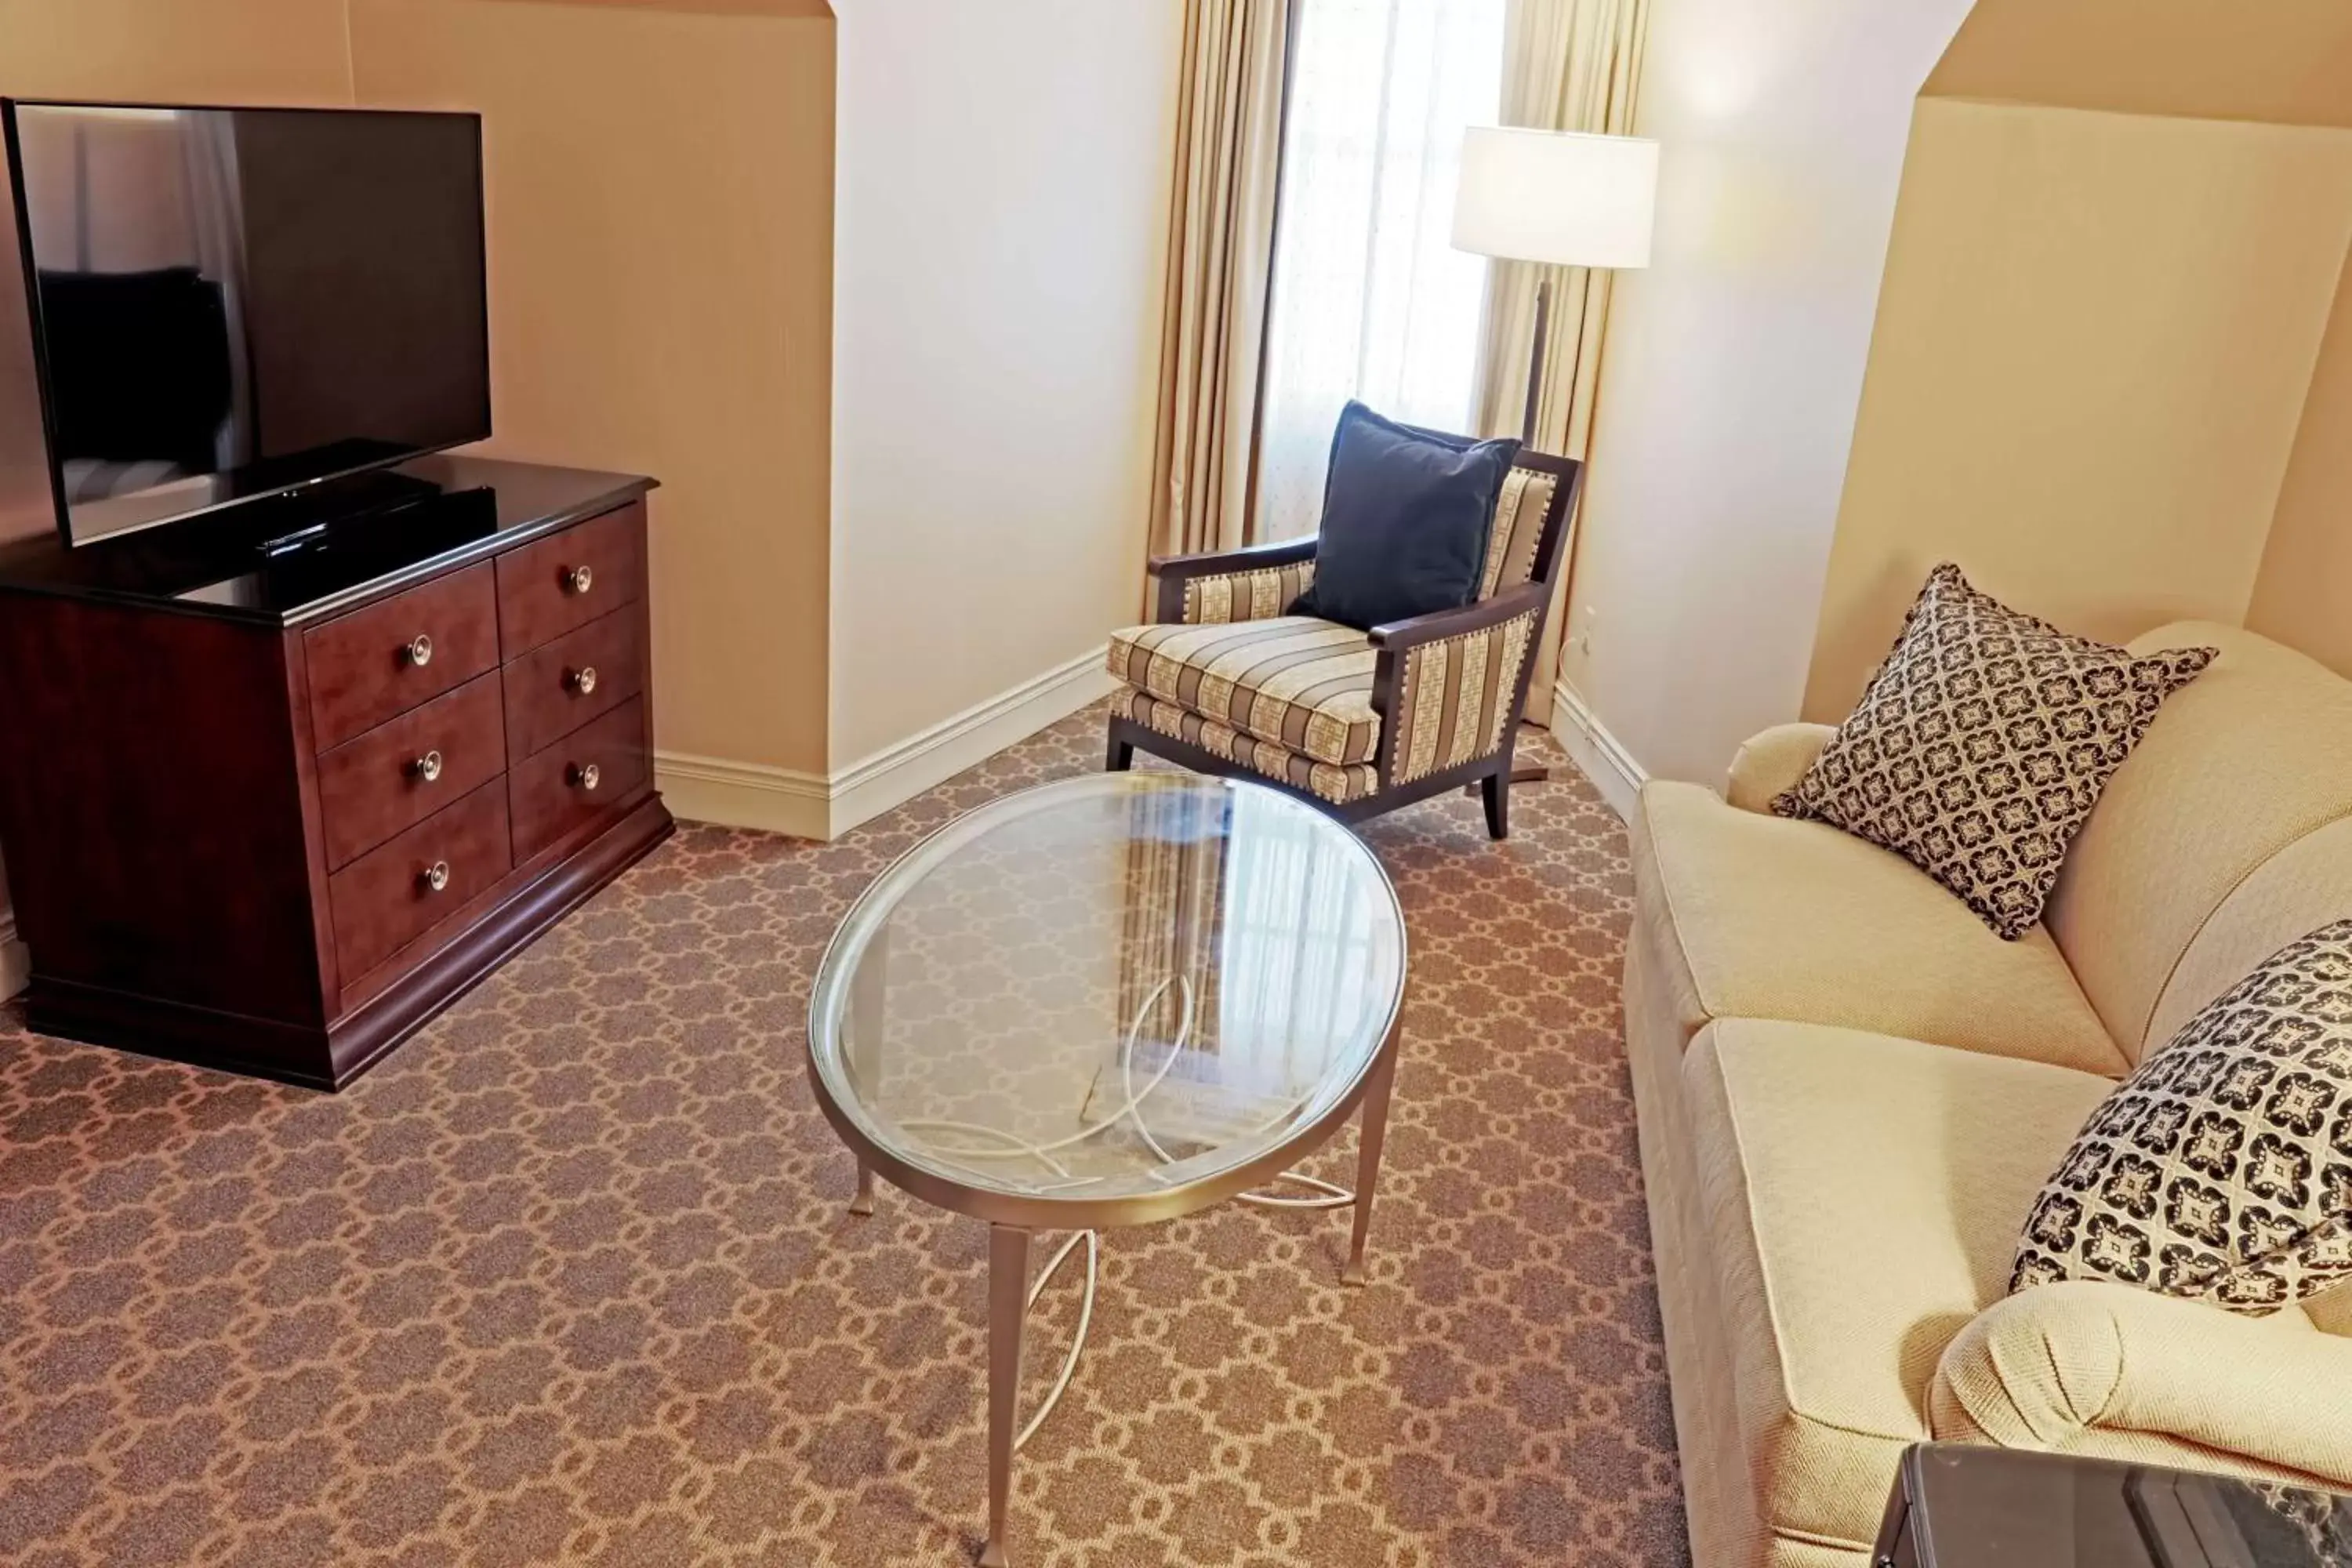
(1008, 1306)
(1368, 1153)
(864, 1202)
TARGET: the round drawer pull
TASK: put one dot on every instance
(579, 580)
(585, 775)
(435, 876)
(582, 680)
(428, 767)
(419, 651)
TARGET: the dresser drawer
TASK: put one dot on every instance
(388, 897)
(579, 778)
(376, 663)
(568, 579)
(552, 690)
(405, 770)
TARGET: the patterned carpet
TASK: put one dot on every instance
(569, 1278)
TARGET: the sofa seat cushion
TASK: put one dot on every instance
(1863, 1194)
(1770, 918)
(1293, 681)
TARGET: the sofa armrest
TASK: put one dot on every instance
(1772, 762)
(2042, 1368)
(1230, 585)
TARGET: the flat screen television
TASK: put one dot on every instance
(225, 304)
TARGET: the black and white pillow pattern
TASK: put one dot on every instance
(1982, 743)
(2222, 1170)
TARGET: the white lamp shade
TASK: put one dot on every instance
(1557, 195)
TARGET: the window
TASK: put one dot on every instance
(1370, 299)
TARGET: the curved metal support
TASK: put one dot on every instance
(1077, 1336)
(1335, 1196)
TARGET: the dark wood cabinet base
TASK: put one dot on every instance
(518, 911)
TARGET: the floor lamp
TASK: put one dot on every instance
(1559, 198)
(1555, 198)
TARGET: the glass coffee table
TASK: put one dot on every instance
(1108, 1002)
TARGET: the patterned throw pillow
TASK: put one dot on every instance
(2222, 1170)
(1982, 743)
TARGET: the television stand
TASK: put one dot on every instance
(271, 812)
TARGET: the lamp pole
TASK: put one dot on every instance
(1536, 357)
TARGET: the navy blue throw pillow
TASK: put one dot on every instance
(1406, 514)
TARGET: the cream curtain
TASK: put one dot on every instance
(1220, 266)
(1567, 65)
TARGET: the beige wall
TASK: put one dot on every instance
(2093, 344)
(1002, 179)
(1734, 363)
(252, 51)
(659, 186)
(2283, 61)
(659, 190)
(220, 51)
(2304, 596)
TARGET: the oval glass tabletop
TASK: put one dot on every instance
(1108, 991)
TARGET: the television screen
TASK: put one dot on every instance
(225, 303)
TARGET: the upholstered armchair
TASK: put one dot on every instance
(1224, 680)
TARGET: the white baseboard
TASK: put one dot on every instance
(897, 774)
(16, 963)
(1598, 754)
(743, 795)
(808, 806)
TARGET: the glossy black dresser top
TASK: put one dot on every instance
(293, 559)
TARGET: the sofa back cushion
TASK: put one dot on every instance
(2247, 760)
(2331, 1311)
(2304, 886)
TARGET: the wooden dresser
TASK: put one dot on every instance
(273, 816)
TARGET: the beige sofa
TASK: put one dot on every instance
(1850, 1091)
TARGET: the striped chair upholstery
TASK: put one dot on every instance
(1339, 785)
(1235, 679)
(1246, 596)
(1292, 682)
(1517, 533)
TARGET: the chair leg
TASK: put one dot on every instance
(1496, 787)
(1120, 755)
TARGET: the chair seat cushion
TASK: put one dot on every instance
(1862, 1195)
(1339, 785)
(1293, 681)
(1767, 917)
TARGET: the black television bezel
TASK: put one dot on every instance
(40, 359)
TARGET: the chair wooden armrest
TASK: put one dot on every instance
(1438, 624)
(1171, 573)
